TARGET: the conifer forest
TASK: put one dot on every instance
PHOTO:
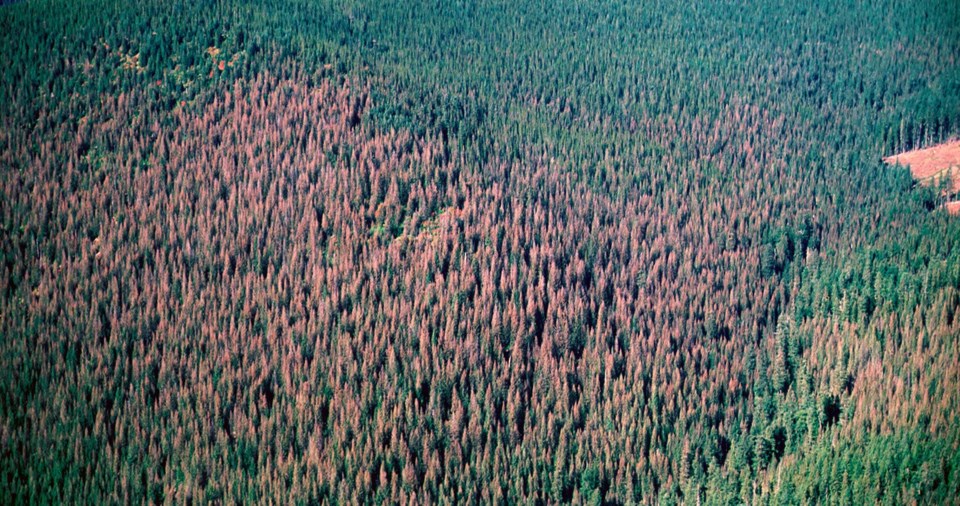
(477, 252)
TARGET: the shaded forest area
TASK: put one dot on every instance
(415, 252)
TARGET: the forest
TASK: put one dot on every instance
(477, 252)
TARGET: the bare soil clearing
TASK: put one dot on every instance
(929, 162)
(932, 165)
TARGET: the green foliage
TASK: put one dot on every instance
(344, 251)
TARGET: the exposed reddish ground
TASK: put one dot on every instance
(929, 162)
(931, 165)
